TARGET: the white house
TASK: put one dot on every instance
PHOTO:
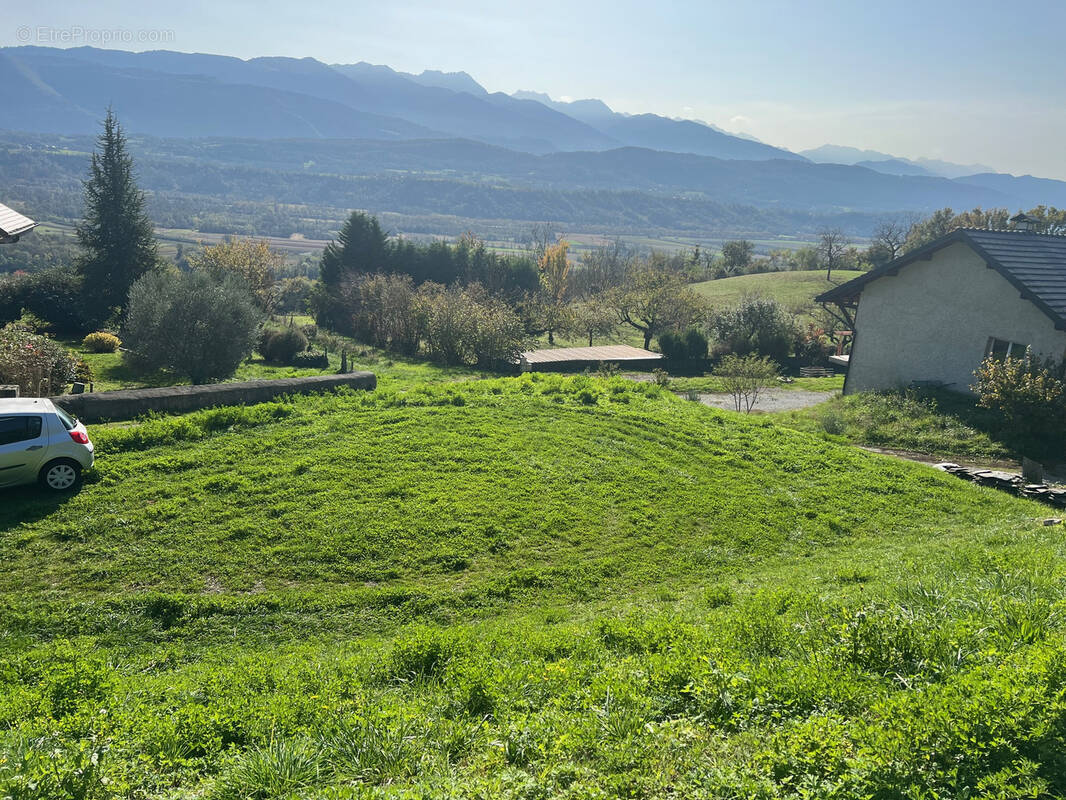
(933, 315)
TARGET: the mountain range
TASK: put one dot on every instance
(889, 164)
(308, 117)
(165, 93)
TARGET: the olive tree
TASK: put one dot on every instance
(195, 324)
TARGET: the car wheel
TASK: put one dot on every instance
(61, 475)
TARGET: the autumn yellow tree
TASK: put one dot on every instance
(554, 269)
(251, 259)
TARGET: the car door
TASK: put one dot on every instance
(22, 448)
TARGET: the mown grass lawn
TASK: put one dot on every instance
(535, 587)
(792, 289)
(710, 384)
(110, 372)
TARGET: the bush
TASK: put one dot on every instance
(192, 323)
(449, 323)
(281, 346)
(813, 346)
(757, 325)
(310, 359)
(293, 294)
(683, 347)
(696, 344)
(744, 377)
(54, 295)
(672, 347)
(498, 335)
(386, 311)
(101, 342)
(37, 365)
(1029, 392)
(464, 326)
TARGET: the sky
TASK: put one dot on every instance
(979, 82)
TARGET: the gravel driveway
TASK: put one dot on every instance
(771, 400)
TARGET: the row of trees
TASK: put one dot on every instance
(362, 247)
(541, 290)
(614, 290)
(451, 324)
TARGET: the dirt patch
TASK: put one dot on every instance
(771, 400)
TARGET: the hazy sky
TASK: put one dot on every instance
(970, 82)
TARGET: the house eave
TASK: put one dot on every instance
(850, 292)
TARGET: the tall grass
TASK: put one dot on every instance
(534, 587)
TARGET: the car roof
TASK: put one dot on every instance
(26, 405)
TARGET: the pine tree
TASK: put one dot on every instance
(116, 234)
(361, 248)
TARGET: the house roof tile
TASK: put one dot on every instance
(1034, 263)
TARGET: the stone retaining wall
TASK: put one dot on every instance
(1008, 482)
(132, 403)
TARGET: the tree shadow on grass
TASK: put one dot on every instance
(31, 503)
(127, 377)
(1051, 450)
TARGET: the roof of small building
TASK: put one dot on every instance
(12, 223)
(1034, 263)
(614, 352)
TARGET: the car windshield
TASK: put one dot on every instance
(68, 421)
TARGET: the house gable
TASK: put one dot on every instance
(1035, 264)
(931, 319)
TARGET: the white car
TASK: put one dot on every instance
(41, 442)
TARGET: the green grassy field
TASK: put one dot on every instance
(938, 423)
(523, 588)
(710, 384)
(792, 289)
(111, 373)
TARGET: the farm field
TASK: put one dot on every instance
(543, 586)
(792, 289)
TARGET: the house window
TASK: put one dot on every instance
(1001, 350)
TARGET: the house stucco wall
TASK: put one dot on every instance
(931, 322)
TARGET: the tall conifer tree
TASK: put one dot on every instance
(116, 234)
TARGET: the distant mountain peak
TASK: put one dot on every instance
(655, 132)
(579, 109)
(456, 81)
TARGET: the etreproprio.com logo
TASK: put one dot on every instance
(75, 34)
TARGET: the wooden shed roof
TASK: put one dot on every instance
(12, 223)
(607, 353)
